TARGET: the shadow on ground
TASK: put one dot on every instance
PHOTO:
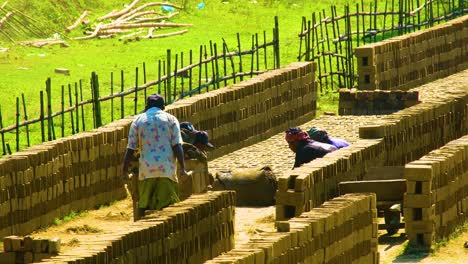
(408, 254)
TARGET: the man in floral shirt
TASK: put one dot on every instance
(156, 134)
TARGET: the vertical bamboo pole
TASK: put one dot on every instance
(168, 77)
(26, 119)
(216, 65)
(3, 134)
(213, 70)
(200, 68)
(62, 115)
(77, 110)
(159, 77)
(252, 55)
(182, 75)
(363, 23)
(49, 110)
(122, 87)
(419, 15)
(328, 49)
(277, 43)
(190, 72)
(314, 22)
(175, 76)
(93, 100)
(17, 123)
(375, 20)
(97, 102)
(135, 107)
(224, 65)
(357, 25)
(83, 124)
(41, 97)
(112, 96)
(206, 66)
(333, 21)
(384, 27)
(144, 80)
(70, 101)
(233, 67)
(240, 56)
(257, 51)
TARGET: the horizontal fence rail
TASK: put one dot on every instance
(214, 66)
(329, 38)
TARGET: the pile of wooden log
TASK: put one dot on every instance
(131, 23)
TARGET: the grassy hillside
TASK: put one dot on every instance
(25, 69)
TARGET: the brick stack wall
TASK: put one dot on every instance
(413, 59)
(251, 111)
(411, 133)
(313, 183)
(50, 180)
(192, 231)
(436, 201)
(342, 230)
(80, 172)
(377, 102)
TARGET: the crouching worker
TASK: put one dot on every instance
(306, 149)
(156, 135)
(321, 135)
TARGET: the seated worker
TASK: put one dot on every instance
(196, 143)
(187, 130)
(306, 149)
(321, 135)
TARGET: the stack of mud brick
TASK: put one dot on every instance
(411, 133)
(199, 180)
(342, 230)
(192, 231)
(313, 183)
(436, 201)
(413, 59)
(376, 102)
(252, 110)
(50, 180)
(27, 249)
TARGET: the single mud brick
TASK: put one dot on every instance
(8, 243)
(28, 243)
(418, 172)
(417, 200)
(17, 244)
(36, 245)
(7, 257)
(54, 246)
(37, 257)
(28, 257)
(282, 226)
(372, 131)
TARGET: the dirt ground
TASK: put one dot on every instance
(249, 221)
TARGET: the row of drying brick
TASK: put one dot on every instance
(412, 132)
(413, 59)
(436, 200)
(27, 249)
(342, 230)
(50, 180)
(375, 102)
(250, 111)
(192, 231)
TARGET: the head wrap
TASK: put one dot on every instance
(318, 134)
(295, 134)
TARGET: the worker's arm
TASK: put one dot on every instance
(127, 158)
(179, 153)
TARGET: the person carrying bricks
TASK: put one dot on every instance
(321, 135)
(305, 148)
(156, 135)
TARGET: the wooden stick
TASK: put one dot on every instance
(3, 5)
(3, 20)
(164, 35)
(151, 12)
(95, 33)
(142, 25)
(120, 13)
(128, 36)
(138, 9)
(78, 21)
(150, 19)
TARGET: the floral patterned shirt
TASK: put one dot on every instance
(154, 133)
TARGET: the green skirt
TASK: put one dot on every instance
(157, 193)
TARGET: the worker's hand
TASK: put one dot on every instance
(184, 175)
(125, 177)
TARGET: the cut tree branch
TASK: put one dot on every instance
(95, 33)
(4, 19)
(78, 21)
(151, 19)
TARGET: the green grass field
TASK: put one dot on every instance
(25, 69)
